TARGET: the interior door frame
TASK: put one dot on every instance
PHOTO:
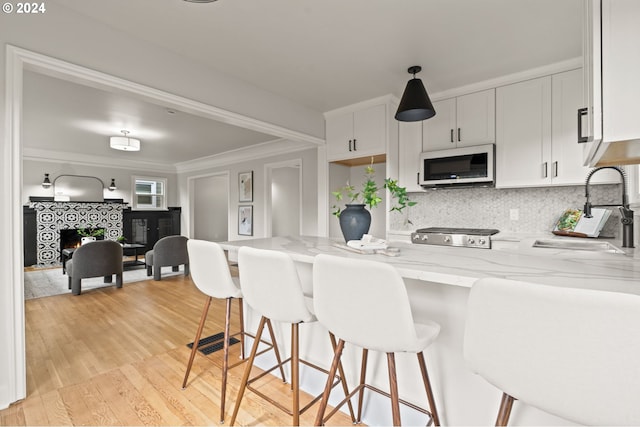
(11, 246)
(268, 173)
(191, 185)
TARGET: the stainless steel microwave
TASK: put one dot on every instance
(463, 166)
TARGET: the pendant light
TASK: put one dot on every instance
(415, 104)
(124, 143)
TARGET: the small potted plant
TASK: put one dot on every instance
(121, 239)
(355, 220)
(89, 234)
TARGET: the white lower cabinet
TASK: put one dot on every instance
(536, 134)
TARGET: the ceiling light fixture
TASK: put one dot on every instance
(112, 186)
(200, 1)
(46, 183)
(415, 104)
(124, 143)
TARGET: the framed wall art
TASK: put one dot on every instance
(245, 220)
(245, 186)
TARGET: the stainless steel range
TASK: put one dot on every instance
(464, 237)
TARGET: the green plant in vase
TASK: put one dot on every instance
(90, 232)
(358, 225)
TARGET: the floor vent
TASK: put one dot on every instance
(212, 343)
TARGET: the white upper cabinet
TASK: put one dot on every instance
(359, 133)
(611, 54)
(409, 149)
(460, 122)
(566, 99)
(438, 131)
(523, 133)
(537, 134)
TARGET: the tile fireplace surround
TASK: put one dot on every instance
(51, 217)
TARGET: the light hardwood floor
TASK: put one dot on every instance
(117, 357)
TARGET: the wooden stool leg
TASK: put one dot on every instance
(247, 370)
(295, 373)
(225, 359)
(241, 315)
(343, 379)
(505, 410)
(393, 386)
(274, 343)
(427, 387)
(194, 349)
(363, 375)
(327, 388)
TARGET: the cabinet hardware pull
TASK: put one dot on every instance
(555, 169)
(451, 135)
(350, 146)
(581, 113)
(418, 178)
(544, 170)
(354, 145)
(459, 135)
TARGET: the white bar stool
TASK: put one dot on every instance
(210, 273)
(570, 352)
(365, 303)
(272, 288)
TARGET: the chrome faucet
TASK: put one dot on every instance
(626, 214)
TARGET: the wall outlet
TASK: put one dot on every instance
(514, 214)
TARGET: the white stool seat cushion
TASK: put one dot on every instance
(366, 303)
(209, 270)
(571, 352)
(426, 334)
(271, 285)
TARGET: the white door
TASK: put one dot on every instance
(285, 199)
(211, 208)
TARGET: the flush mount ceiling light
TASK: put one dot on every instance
(415, 104)
(124, 143)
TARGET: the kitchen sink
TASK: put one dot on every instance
(580, 245)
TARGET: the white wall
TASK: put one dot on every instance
(309, 192)
(33, 173)
(285, 200)
(211, 208)
(66, 35)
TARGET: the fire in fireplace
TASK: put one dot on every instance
(70, 237)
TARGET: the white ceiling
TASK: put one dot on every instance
(322, 54)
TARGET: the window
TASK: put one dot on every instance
(149, 193)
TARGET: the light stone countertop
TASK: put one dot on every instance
(463, 266)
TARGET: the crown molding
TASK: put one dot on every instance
(385, 99)
(42, 155)
(75, 73)
(533, 73)
(255, 152)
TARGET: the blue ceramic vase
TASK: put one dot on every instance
(355, 221)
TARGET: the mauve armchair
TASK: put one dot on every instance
(170, 251)
(100, 258)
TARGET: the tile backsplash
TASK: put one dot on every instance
(538, 208)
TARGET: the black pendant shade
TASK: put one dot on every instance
(415, 104)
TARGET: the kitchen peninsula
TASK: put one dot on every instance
(438, 281)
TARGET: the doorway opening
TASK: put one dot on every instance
(210, 207)
(284, 198)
